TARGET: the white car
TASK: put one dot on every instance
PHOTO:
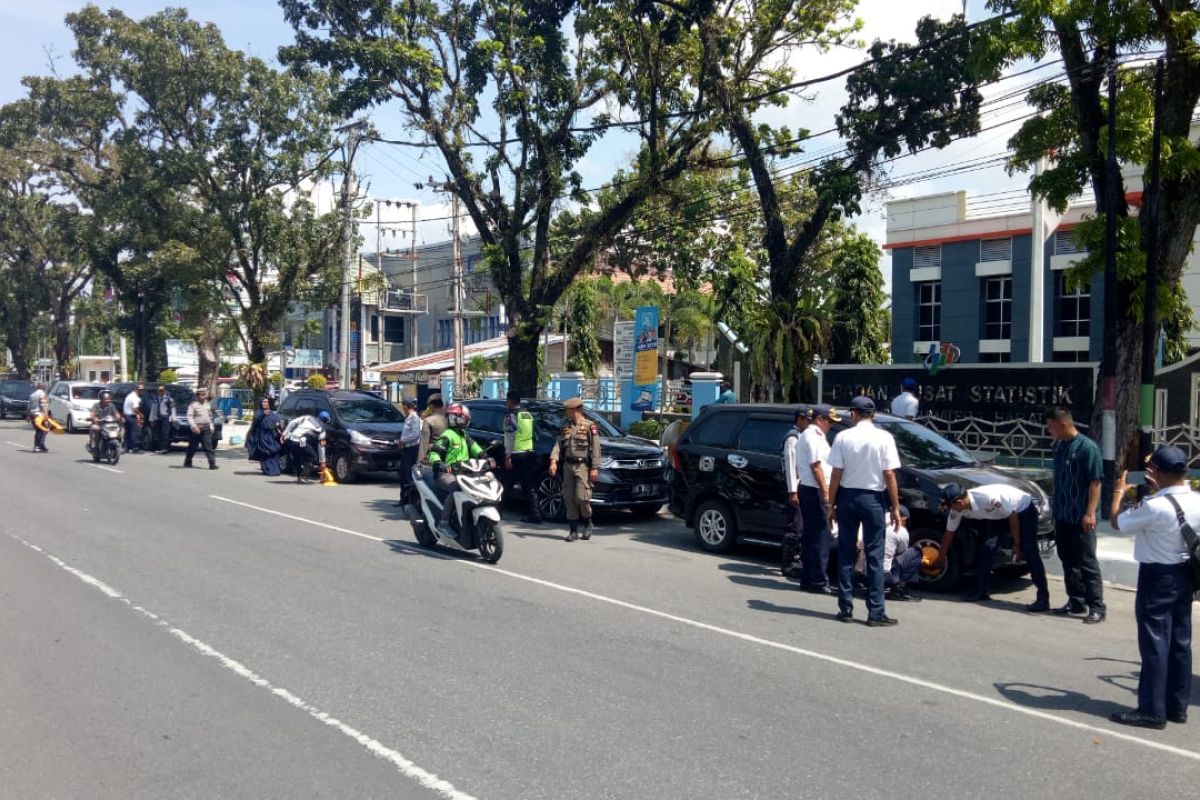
(71, 403)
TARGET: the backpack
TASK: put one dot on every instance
(1192, 542)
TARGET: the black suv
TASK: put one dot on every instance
(727, 483)
(363, 434)
(631, 468)
(181, 395)
(14, 398)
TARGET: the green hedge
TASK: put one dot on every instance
(647, 429)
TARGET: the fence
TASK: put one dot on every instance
(1017, 442)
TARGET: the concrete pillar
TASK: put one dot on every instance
(706, 388)
(606, 399)
(447, 387)
(490, 390)
(570, 384)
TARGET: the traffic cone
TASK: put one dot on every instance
(327, 478)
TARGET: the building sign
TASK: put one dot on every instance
(623, 350)
(182, 354)
(307, 359)
(645, 347)
(996, 392)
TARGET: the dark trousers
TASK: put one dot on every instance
(408, 459)
(525, 465)
(793, 527)
(990, 533)
(860, 508)
(1163, 609)
(905, 566)
(815, 542)
(1081, 569)
(162, 434)
(133, 433)
(446, 485)
(39, 438)
(995, 534)
(204, 440)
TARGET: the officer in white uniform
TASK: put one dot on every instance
(793, 466)
(1166, 582)
(815, 472)
(906, 405)
(864, 461)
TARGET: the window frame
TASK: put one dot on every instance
(929, 331)
(1002, 305)
(1080, 325)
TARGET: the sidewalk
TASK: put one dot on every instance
(1115, 551)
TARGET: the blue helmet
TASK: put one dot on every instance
(323, 416)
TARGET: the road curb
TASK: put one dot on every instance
(1119, 570)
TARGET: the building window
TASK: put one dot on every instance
(995, 358)
(995, 249)
(374, 329)
(393, 330)
(1071, 356)
(1074, 308)
(929, 311)
(1065, 244)
(445, 334)
(927, 256)
(997, 308)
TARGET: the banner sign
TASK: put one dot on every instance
(182, 354)
(645, 367)
(307, 359)
(996, 392)
(623, 350)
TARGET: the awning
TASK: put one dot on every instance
(444, 359)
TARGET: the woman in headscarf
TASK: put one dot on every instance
(263, 439)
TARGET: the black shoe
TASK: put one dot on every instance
(1038, 607)
(881, 622)
(826, 589)
(845, 616)
(903, 596)
(213, 466)
(1094, 617)
(573, 536)
(1179, 718)
(977, 597)
(1070, 608)
(187, 464)
(532, 520)
(1138, 720)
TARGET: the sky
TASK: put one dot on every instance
(33, 36)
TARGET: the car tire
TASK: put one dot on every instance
(648, 511)
(549, 498)
(70, 425)
(3, 413)
(949, 578)
(343, 472)
(715, 527)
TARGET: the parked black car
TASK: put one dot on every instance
(14, 398)
(727, 483)
(182, 395)
(632, 469)
(363, 434)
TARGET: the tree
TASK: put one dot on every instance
(1072, 124)
(543, 67)
(860, 326)
(582, 320)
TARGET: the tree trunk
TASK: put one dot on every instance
(523, 356)
(20, 358)
(207, 347)
(62, 345)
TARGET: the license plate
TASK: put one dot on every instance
(645, 490)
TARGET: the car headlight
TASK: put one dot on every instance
(358, 438)
(79, 408)
(607, 462)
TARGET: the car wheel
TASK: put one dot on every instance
(939, 579)
(70, 424)
(549, 498)
(715, 527)
(648, 511)
(3, 413)
(342, 471)
(285, 464)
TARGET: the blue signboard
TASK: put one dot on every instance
(645, 358)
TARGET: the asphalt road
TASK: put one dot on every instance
(186, 633)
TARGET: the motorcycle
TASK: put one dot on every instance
(108, 442)
(475, 523)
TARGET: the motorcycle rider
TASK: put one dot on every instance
(102, 412)
(454, 446)
(304, 438)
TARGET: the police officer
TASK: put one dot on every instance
(1163, 606)
(578, 445)
(815, 542)
(432, 426)
(864, 461)
(793, 464)
(518, 453)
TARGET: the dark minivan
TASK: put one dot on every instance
(14, 398)
(631, 468)
(727, 483)
(363, 434)
(181, 396)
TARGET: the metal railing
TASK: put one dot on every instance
(1018, 442)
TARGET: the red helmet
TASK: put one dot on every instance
(458, 415)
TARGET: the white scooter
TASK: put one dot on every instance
(475, 523)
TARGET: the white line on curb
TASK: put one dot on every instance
(406, 768)
(758, 640)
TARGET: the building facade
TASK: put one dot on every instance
(967, 279)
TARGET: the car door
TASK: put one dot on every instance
(703, 469)
(758, 464)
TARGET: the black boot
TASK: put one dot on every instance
(587, 529)
(574, 534)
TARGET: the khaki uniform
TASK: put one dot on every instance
(432, 427)
(577, 451)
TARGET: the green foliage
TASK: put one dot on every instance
(226, 370)
(583, 317)
(861, 325)
(168, 376)
(316, 381)
(647, 429)
(276, 380)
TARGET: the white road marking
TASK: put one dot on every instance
(758, 640)
(406, 767)
(108, 469)
(18, 446)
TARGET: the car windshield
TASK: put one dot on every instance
(366, 409)
(16, 388)
(86, 392)
(555, 419)
(924, 449)
(180, 396)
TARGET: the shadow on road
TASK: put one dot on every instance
(763, 605)
(1049, 698)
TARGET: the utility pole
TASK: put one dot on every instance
(1150, 301)
(353, 132)
(415, 333)
(1037, 273)
(459, 367)
(379, 326)
(1108, 366)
